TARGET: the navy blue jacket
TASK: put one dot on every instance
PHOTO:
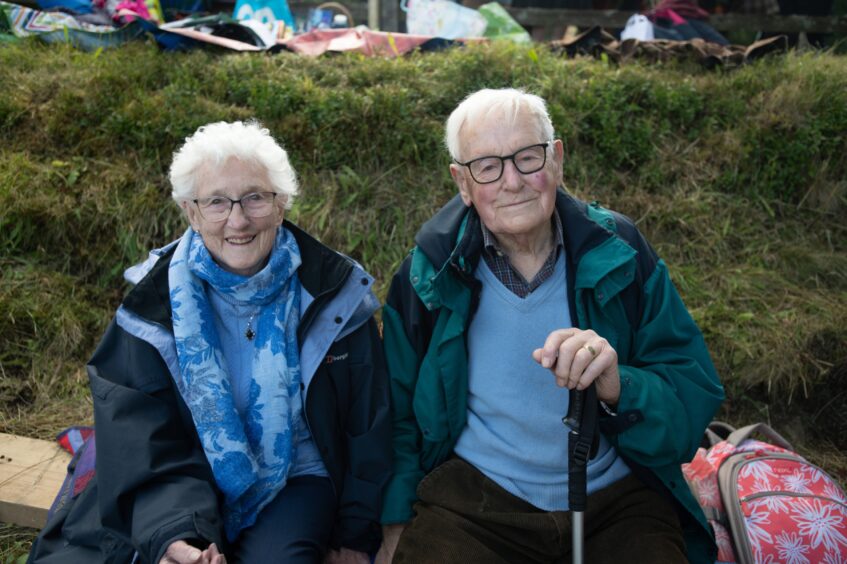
(153, 484)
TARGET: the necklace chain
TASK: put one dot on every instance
(249, 333)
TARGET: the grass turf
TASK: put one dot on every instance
(737, 178)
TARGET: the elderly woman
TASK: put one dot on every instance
(240, 395)
(516, 293)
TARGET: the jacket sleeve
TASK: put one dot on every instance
(368, 443)
(154, 482)
(403, 337)
(669, 387)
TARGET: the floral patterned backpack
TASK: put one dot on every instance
(765, 502)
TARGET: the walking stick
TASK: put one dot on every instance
(582, 445)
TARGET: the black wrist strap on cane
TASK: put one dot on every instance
(583, 442)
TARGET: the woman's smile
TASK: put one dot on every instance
(239, 241)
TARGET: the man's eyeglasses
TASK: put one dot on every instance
(254, 205)
(486, 170)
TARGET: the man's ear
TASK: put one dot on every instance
(559, 151)
(461, 180)
(559, 159)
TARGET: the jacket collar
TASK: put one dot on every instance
(451, 241)
(322, 273)
(591, 243)
(443, 235)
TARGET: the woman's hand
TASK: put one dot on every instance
(346, 556)
(180, 552)
(390, 538)
(577, 358)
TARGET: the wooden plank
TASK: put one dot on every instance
(31, 473)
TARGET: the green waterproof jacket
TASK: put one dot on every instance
(618, 287)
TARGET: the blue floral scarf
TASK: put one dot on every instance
(250, 457)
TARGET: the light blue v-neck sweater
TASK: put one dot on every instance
(514, 433)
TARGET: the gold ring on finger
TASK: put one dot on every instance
(591, 350)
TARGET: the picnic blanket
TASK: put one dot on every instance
(59, 27)
(362, 40)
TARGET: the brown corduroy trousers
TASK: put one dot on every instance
(466, 518)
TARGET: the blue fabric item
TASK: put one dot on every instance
(250, 457)
(355, 302)
(707, 32)
(691, 29)
(74, 6)
(294, 528)
(308, 461)
(514, 432)
(668, 33)
(264, 11)
(231, 319)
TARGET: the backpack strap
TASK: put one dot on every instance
(739, 435)
(710, 439)
(716, 432)
(714, 514)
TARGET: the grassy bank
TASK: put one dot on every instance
(739, 179)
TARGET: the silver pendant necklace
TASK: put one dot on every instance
(249, 333)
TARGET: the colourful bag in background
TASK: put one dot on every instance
(501, 25)
(441, 18)
(268, 12)
(765, 502)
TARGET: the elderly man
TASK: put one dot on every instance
(515, 294)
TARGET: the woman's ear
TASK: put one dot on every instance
(282, 201)
(191, 213)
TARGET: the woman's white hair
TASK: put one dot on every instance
(213, 144)
(505, 105)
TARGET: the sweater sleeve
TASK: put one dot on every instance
(155, 484)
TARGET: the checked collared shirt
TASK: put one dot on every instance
(499, 263)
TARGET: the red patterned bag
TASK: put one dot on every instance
(765, 502)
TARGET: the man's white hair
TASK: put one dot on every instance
(505, 105)
(215, 143)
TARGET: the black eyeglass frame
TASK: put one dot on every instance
(232, 205)
(503, 162)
